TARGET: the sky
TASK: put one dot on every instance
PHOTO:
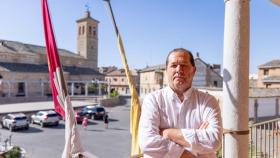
(149, 28)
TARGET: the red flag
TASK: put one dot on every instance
(73, 147)
(57, 81)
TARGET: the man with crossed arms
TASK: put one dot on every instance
(179, 121)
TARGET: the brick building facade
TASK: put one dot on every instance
(269, 74)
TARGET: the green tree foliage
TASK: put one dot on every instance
(13, 153)
(114, 93)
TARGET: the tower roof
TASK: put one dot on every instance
(87, 17)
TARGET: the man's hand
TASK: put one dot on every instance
(176, 135)
(164, 132)
(204, 125)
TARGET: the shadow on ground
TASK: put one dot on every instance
(119, 129)
(30, 130)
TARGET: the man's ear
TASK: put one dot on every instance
(194, 70)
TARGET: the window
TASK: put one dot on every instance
(265, 72)
(94, 31)
(1, 79)
(115, 79)
(83, 30)
(21, 87)
(89, 30)
(79, 30)
(267, 85)
(76, 85)
(215, 83)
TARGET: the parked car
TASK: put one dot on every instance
(44, 118)
(79, 115)
(94, 111)
(15, 121)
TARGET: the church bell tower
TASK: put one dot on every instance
(87, 39)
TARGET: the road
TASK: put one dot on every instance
(48, 142)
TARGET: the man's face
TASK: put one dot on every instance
(180, 71)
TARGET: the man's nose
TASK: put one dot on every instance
(178, 69)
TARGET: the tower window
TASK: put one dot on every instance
(89, 30)
(79, 30)
(83, 29)
(94, 31)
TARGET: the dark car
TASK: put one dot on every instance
(94, 111)
(79, 115)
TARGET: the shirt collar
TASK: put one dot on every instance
(172, 94)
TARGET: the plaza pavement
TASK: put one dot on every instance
(36, 106)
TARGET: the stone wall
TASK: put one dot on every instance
(110, 102)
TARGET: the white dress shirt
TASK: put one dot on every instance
(163, 109)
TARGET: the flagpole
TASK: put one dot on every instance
(122, 51)
(62, 102)
(135, 109)
(112, 16)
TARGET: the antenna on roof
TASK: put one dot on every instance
(197, 54)
(87, 6)
(147, 65)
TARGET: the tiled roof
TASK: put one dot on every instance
(22, 67)
(106, 70)
(271, 64)
(121, 72)
(80, 70)
(153, 68)
(87, 17)
(18, 47)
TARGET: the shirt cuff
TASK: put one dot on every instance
(175, 150)
(190, 137)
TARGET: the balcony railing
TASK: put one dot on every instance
(264, 141)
